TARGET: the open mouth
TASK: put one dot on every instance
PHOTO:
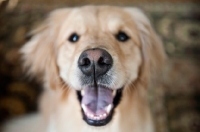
(98, 104)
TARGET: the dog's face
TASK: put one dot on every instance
(97, 51)
(98, 56)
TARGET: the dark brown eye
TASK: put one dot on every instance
(121, 36)
(74, 38)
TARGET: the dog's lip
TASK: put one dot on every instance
(113, 92)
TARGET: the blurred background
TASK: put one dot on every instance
(174, 100)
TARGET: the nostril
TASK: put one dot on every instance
(84, 62)
(87, 61)
(104, 61)
(101, 61)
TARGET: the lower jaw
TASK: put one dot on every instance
(97, 123)
(102, 122)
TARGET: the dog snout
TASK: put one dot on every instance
(95, 62)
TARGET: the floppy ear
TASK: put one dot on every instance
(39, 53)
(152, 48)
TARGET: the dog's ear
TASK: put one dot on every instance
(39, 53)
(152, 48)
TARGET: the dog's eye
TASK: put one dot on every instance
(73, 38)
(121, 36)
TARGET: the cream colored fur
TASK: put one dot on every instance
(53, 60)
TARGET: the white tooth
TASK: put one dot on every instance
(84, 107)
(91, 115)
(114, 93)
(104, 114)
(108, 108)
(100, 115)
(98, 118)
(82, 92)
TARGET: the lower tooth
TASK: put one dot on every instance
(108, 108)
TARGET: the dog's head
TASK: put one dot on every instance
(99, 51)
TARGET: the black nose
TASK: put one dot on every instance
(95, 62)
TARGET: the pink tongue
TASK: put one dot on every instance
(96, 99)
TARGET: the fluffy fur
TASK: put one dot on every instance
(51, 58)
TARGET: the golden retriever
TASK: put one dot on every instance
(95, 63)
